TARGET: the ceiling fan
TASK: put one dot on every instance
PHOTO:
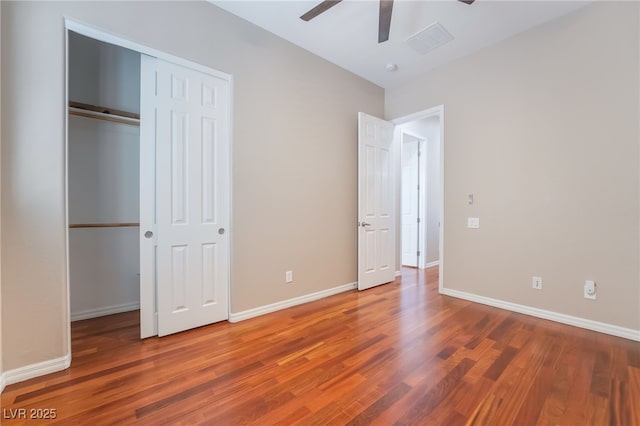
(384, 21)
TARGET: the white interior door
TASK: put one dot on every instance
(409, 202)
(376, 202)
(188, 111)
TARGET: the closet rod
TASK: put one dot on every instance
(102, 225)
(102, 113)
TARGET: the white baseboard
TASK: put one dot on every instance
(107, 310)
(398, 273)
(251, 313)
(3, 382)
(588, 324)
(27, 372)
(432, 264)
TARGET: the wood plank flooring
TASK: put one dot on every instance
(393, 355)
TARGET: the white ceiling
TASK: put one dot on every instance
(347, 34)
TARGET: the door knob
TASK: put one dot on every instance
(365, 224)
(148, 234)
(221, 231)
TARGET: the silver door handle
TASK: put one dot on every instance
(364, 224)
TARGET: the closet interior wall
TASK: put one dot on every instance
(103, 179)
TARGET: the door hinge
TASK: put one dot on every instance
(418, 187)
(418, 220)
(418, 253)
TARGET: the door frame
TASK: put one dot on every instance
(422, 196)
(146, 292)
(437, 111)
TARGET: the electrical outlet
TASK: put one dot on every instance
(473, 222)
(536, 282)
(288, 276)
(590, 290)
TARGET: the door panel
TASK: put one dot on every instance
(148, 247)
(376, 202)
(191, 196)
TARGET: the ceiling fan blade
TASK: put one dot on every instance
(467, 1)
(321, 8)
(384, 22)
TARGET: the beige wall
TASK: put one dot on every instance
(294, 158)
(543, 129)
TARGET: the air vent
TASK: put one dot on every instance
(435, 35)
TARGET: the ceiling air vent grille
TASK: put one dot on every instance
(435, 35)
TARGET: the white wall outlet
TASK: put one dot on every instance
(473, 222)
(536, 282)
(590, 290)
(288, 276)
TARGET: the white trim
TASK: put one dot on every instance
(588, 324)
(266, 309)
(67, 320)
(230, 229)
(432, 264)
(412, 135)
(3, 382)
(35, 370)
(398, 273)
(437, 111)
(107, 310)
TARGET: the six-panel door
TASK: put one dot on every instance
(191, 197)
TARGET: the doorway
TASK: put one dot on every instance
(103, 178)
(146, 192)
(420, 141)
(413, 199)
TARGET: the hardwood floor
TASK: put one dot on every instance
(396, 354)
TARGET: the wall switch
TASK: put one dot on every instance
(288, 276)
(536, 282)
(473, 222)
(590, 290)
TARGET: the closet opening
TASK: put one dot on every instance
(103, 178)
(148, 188)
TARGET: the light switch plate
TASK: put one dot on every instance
(473, 222)
(536, 282)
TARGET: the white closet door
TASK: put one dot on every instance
(191, 121)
